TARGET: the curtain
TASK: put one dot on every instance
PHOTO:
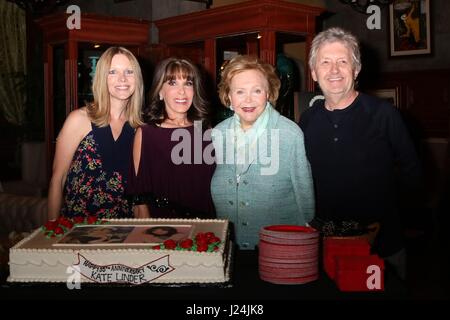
(12, 62)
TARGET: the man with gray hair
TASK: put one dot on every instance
(355, 143)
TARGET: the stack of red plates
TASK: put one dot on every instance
(288, 254)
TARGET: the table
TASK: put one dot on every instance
(245, 285)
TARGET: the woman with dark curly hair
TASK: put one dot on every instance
(170, 177)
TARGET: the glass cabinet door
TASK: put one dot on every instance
(88, 55)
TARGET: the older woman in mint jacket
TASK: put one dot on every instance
(262, 175)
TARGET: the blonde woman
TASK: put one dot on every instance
(94, 145)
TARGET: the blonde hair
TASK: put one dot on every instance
(243, 63)
(99, 110)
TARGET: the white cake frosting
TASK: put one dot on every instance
(36, 259)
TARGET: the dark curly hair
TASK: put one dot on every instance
(170, 69)
(168, 231)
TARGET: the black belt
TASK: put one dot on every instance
(175, 209)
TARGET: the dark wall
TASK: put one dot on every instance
(375, 43)
(132, 9)
(144, 9)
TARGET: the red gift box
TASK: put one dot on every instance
(333, 247)
(359, 273)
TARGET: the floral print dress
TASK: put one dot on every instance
(97, 176)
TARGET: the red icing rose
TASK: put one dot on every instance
(186, 244)
(51, 225)
(59, 230)
(202, 247)
(91, 220)
(213, 239)
(170, 244)
(200, 236)
(66, 223)
(202, 242)
(209, 235)
(78, 220)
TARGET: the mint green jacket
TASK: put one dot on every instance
(254, 200)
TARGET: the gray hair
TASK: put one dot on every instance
(336, 35)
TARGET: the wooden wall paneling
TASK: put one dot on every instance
(267, 46)
(210, 62)
(71, 77)
(252, 47)
(424, 99)
(48, 110)
(310, 83)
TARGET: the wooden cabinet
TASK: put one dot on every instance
(260, 27)
(69, 61)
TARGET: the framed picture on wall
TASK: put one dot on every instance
(390, 94)
(409, 27)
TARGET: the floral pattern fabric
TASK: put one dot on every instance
(92, 191)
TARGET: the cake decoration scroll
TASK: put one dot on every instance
(119, 273)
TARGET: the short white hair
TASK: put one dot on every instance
(340, 35)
